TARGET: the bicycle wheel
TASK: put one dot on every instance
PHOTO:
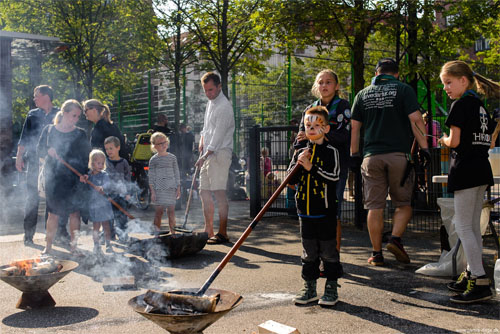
(143, 198)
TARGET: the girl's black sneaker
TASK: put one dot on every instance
(460, 285)
(478, 289)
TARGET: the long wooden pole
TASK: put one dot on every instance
(247, 232)
(118, 206)
(188, 204)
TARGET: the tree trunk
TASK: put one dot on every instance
(359, 47)
(177, 103)
(359, 66)
(412, 41)
(224, 62)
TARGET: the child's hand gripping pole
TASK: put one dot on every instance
(99, 190)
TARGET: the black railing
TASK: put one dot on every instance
(277, 141)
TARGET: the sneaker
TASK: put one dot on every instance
(396, 248)
(460, 285)
(478, 289)
(376, 260)
(307, 294)
(331, 296)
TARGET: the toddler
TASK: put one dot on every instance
(100, 211)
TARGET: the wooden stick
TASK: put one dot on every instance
(118, 206)
(247, 232)
(188, 204)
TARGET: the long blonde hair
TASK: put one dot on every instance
(67, 106)
(485, 86)
(315, 87)
(101, 108)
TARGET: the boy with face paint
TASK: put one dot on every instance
(316, 208)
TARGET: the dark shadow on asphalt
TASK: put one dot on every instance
(207, 257)
(388, 320)
(486, 309)
(394, 277)
(408, 285)
(275, 257)
(50, 317)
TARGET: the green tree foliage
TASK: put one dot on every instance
(266, 91)
(226, 33)
(97, 37)
(173, 46)
(326, 24)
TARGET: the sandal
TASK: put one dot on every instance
(218, 239)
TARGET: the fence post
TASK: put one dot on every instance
(236, 134)
(149, 101)
(353, 92)
(184, 94)
(289, 99)
(253, 169)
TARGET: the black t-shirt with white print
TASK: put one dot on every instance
(469, 165)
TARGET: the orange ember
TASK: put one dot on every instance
(25, 266)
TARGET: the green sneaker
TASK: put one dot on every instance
(307, 294)
(331, 296)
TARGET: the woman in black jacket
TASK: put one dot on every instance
(99, 114)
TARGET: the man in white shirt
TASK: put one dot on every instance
(216, 147)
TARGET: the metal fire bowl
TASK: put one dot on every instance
(38, 283)
(193, 323)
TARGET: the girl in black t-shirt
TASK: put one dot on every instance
(470, 172)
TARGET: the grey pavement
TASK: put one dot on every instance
(265, 271)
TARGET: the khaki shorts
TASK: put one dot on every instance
(382, 174)
(214, 172)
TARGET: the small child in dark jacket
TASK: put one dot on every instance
(316, 209)
(119, 173)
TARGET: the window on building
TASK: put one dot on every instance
(450, 19)
(482, 44)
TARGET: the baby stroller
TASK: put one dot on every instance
(139, 163)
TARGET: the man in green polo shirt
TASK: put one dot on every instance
(388, 112)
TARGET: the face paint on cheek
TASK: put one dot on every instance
(315, 136)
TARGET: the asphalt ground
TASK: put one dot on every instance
(265, 271)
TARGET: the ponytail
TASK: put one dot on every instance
(487, 87)
(58, 117)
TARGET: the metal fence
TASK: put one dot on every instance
(277, 142)
(267, 105)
